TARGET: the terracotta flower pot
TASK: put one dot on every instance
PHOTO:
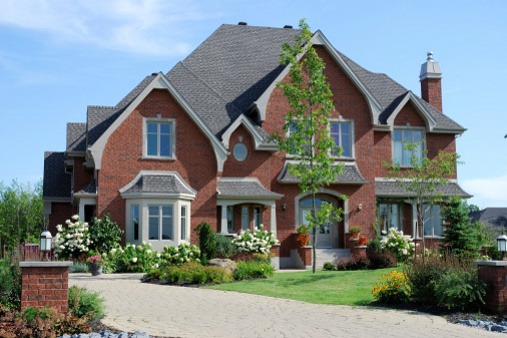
(304, 239)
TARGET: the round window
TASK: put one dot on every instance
(240, 152)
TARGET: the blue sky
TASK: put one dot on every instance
(57, 57)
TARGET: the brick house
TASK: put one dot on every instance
(193, 145)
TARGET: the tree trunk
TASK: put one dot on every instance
(314, 230)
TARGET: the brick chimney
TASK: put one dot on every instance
(431, 82)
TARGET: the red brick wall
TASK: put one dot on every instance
(305, 253)
(122, 161)
(41, 286)
(496, 294)
(60, 212)
(82, 176)
(431, 92)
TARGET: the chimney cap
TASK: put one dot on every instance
(242, 23)
(287, 26)
(430, 69)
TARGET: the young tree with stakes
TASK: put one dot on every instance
(308, 139)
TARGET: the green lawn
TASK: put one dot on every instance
(324, 287)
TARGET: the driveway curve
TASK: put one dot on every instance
(171, 311)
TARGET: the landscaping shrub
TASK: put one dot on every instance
(85, 304)
(258, 240)
(79, 267)
(10, 282)
(379, 258)
(356, 263)
(207, 241)
(193, 273)
(132, 258)
(399, 245)
(329, 266)
(441, 280)
(181, 254)
(253, 269)
(460, 290)
(104, 234)
(396, 289)
(72, 242)
(224, 247)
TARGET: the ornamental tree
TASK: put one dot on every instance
(306, 125)
(423, 179)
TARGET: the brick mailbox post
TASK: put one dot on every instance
(45, 283)
(494, 274)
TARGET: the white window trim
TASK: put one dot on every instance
(172, 123)
(423, 138)
(352, 138)
(144, 220)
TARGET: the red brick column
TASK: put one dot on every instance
(305, 252)
(275, 256)
(358, 251)
(494, 273)
(45, 283)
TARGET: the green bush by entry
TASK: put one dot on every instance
(253, 269)
(85, 304)
(191, 273)
(10, 282)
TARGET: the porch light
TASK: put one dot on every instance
(45, 244)
(502, 244)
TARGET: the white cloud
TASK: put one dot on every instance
(491, 191)
(144, 27)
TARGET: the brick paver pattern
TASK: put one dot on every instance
(172, 311)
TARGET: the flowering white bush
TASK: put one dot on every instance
(181, 254)
(73, 239)
(258, 240)
(401, 246)
(131, 258)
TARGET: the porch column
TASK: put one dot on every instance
(272, 226)
(224, 230)
(81, 210)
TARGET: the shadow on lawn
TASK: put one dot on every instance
(307, 280)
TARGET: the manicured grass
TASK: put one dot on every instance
(324, 287)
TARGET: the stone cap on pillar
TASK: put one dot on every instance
(42, 264)
(492, 263)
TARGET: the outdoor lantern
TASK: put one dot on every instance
(45, 243)
(502, 244)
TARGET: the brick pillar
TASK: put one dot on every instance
(305, 252)
(494, 274)
(358, 251)
(45, 283)
(275, 256)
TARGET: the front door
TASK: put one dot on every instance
(327, 231)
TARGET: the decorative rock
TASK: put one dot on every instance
(108, 334)
(227, 264)
(498, 328)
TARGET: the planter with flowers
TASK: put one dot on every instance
(354, 233)
(362, 241)
(95, 264)
(304, 235)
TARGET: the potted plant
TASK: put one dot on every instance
(95, 264)
(362, 241)
(354, 232)
(304, 235)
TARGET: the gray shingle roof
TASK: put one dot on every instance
(229, 71)
(350, 175)
(244, 188)
(90, 189)
(76, 136)
(389, 93)
(493, 217)
(395, 189)
(56, 182)
(159, 184)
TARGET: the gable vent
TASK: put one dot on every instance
(288, 26)
(242, 23)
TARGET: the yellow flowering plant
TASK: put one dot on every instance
(395, 289)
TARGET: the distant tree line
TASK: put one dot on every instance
(21, 214)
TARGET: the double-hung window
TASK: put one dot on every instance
(389, 216)
(342, 134)
(159, 138)
(432, 219)
(408, 144)
(160, 222)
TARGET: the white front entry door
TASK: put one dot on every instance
(326, 232)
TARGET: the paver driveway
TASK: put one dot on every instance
(171, 311)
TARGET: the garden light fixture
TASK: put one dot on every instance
(502, 244)
(45, 243)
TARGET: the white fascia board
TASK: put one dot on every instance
(159, 82)
(158, 173)
(242, 120)
(375, 107)
(430, 121)
(152, 195)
